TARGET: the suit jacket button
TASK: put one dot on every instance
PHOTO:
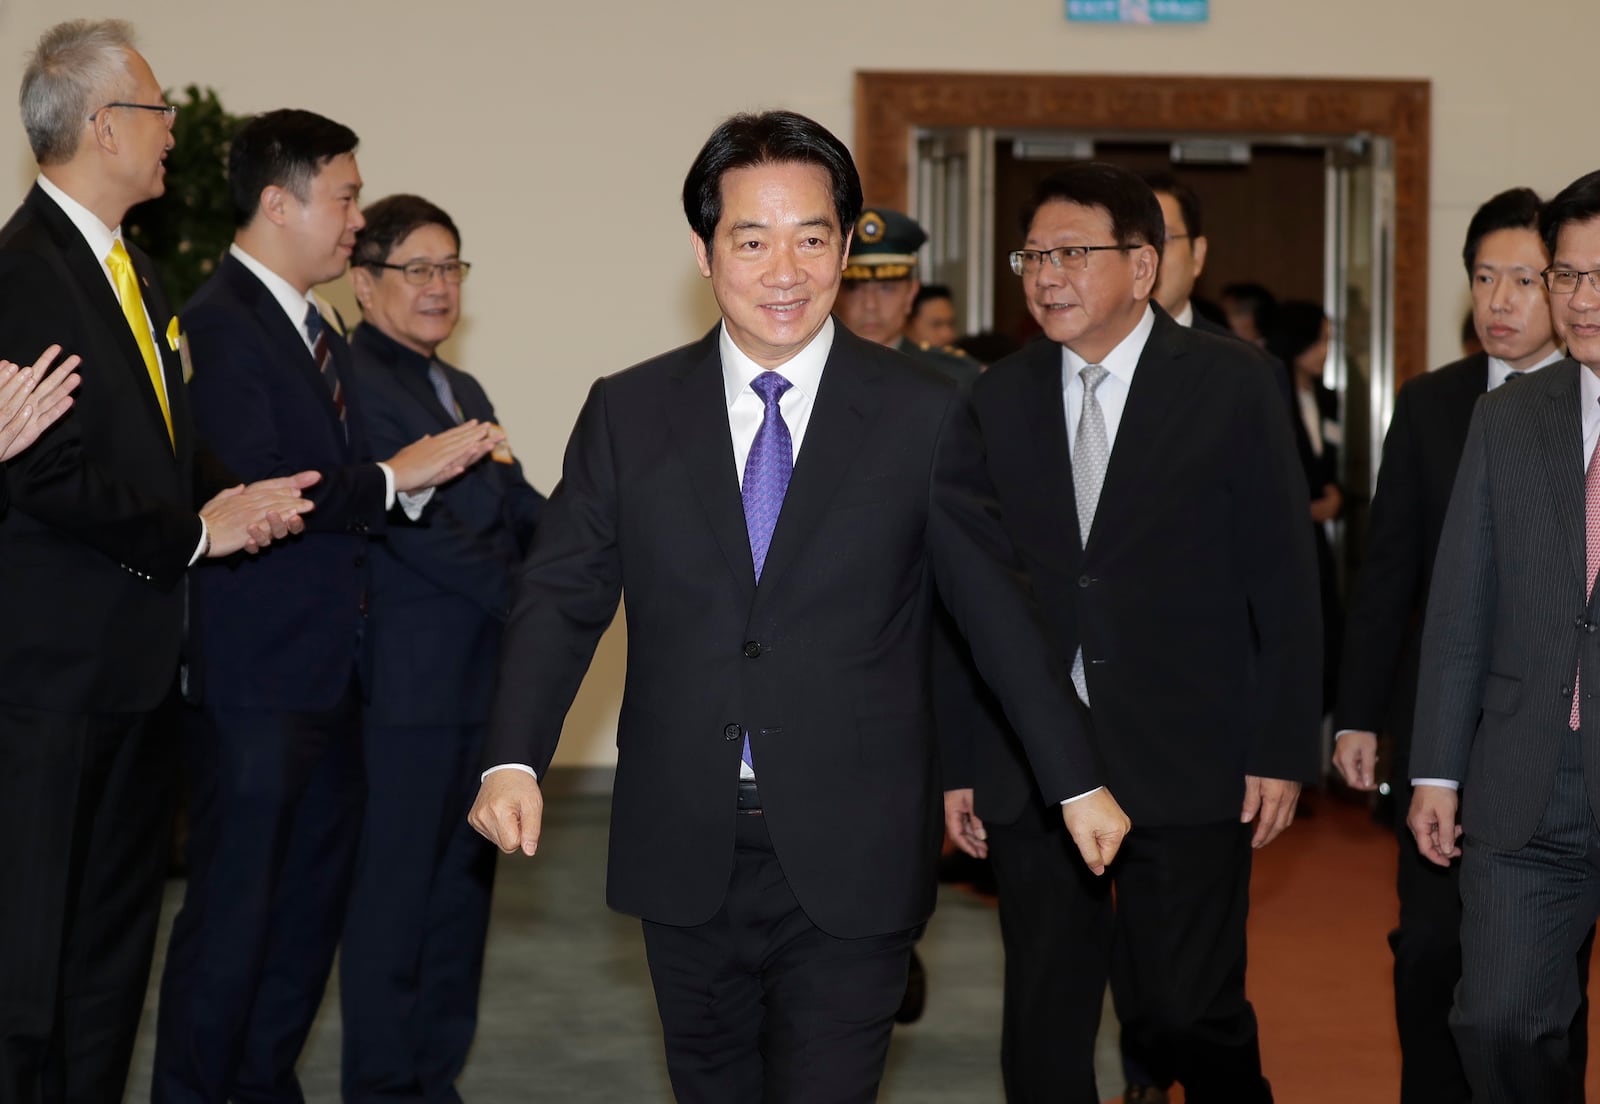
(731, 731)
(1084, 580)
(1566, 691)
(360, 561)
(752, 650)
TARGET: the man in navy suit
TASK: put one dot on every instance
(419, 905)
(275, 755)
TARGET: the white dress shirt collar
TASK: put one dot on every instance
(1119, 362)
(803, 370)
(1499, 369)
(293, 303)
(1589, 390)
(1185, 317)
(95, 233)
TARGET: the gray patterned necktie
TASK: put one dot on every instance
(1092, 450)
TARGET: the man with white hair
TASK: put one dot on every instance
(103, 523)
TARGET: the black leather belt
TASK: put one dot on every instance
(749, 797)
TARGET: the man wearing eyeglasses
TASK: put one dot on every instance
(1147, 474)
(412, 952)
(1503, 258)
(107, 512)
(280, 658)
(1503, 755)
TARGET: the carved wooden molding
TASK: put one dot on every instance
(889, 106)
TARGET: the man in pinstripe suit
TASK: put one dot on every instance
(1508, 704)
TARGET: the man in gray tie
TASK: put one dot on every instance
(1508, 701)
(1147, 473)
(437, 599)
(779, 502)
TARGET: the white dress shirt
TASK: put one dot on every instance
(1589, 392)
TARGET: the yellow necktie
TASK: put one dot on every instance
(122, 275)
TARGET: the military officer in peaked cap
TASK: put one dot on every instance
(880, 283)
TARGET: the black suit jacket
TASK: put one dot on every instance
(1508, 619)
(1383, 631)
(279, 630)
(441, 590)
(1195, 601)
(826, 663)
(103, 508)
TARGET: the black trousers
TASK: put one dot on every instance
(1427, 967)
(275, 815)
(85, 808)
(1171, 940)
(760, 1005)
(1526, 915)
(412, 955)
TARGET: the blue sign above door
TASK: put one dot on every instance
(1138, 11)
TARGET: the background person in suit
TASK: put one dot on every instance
(1503, 256)
(880, 285)
(1147, 476)
(932, 322)
(1297, 336)
(275, 753)
(1507, 702)
(775, 818)
(412, 953)
(102, 525)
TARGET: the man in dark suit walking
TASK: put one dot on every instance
(276, 784)
(106, 514)
(778, 501)
(1148, 478)
(412, 952)
(1503, 256)
(1508, 698)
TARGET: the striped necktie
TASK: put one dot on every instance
(317, 331)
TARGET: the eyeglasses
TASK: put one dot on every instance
(421, 272)
(1075, 258)
(169, 110)
(1564, 281)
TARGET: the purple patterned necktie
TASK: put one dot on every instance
(766, 476)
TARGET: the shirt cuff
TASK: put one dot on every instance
(204, 546)
(413, 503)
(388, 486)
(1343, 731)
(1083, 795)
(508, 766)
(1447, 783)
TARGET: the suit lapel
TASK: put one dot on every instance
(1158, 401)
(285, 335)
(155, 304)
(845, 405)
(1561, 437)
(87, 271)
(697, 410)
(1045, 413)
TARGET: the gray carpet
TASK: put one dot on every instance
(567, 1013)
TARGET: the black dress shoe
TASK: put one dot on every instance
(911, 1004)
